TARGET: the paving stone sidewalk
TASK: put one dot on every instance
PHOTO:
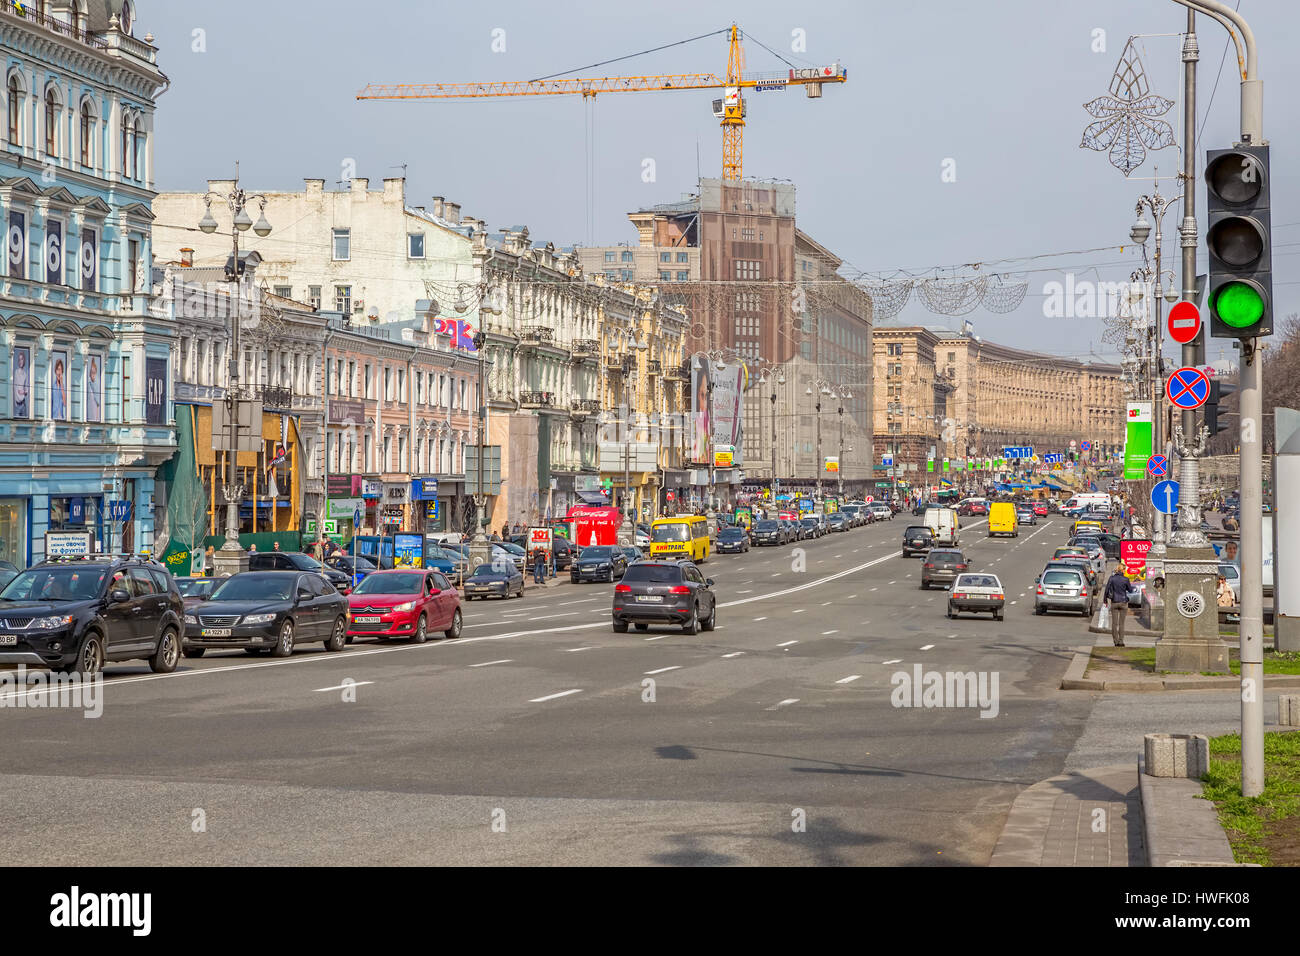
(1057, 823)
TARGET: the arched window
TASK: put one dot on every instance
(15, 110)
(128, 146)
(87, 154)
(51, 124)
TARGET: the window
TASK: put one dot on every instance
(952, 357)
(683, 276)
(87, 154)
(626, 274)
(284, 291)
(415, 245)
(665, 277)
(388, 384)
(88, 261)
(365, 393)
(609, 257)
(747, 235)
(342, 244)
(388, 453)
(626, 255)
(665, 257)
(51, 124)
(683, 257)
(132, 264)
(369, 455)
(748, 269)
(15, 111)
(343, 298)
(313, 296)
(352, 375)
(128, 147)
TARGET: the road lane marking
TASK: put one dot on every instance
(848, 680)
(850, 597)
(490, 663)
(659, 638)
(928, 647)
(574, 650)
(746, 591)
(583, 601)
(355, 683)
(824, 633)
(757, 619)
(875, 589)
(784, 703)
(563, 693)
(896, 660)
(733, 654)
(787, 643)
(797, 611)
(665, 670)
(776, 574)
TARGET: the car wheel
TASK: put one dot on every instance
(711, 621)
(997, 615)
(925, 585)
(643, 627)
(692, 624)
(338, 638)
(1040, 610)
(194, 651)
(949, 613)
(90, 658)
(421, 630)
(620, 627)
(284, 644)
(168, 653)
(453, 632)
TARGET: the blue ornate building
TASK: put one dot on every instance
(85, 398)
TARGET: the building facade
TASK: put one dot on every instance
(86, 413)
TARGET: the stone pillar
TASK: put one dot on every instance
(1191, 621)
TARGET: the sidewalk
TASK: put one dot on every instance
(1057, 822)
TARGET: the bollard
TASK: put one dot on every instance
(1177, 755)
(1288, 710)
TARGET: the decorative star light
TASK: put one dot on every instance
(1128, 123)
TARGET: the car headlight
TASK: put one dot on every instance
(50, 623)
(191, 619)
(408, 606)
(258, 619)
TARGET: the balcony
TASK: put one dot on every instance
(617, 364)
(57, 26)
(585, 348)
(680, 373)
(654, 367)
(536, 335)
(582, 407)
(275, 396)
(537, 399)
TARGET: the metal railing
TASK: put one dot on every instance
(545, 399)
(584, 405)
(51, 24)
(654, 367)
(536, 335)
(585, 347)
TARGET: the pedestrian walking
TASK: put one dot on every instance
(252, 549)
(209, 562)
(1117, 598)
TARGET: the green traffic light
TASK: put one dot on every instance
(1239, 305)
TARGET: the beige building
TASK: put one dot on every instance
(951, 395)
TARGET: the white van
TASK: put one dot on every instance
(1086, 500)
(943, 522)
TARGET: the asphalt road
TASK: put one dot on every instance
(536, 739)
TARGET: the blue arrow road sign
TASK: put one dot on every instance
(1165, 497)
(1157, 466)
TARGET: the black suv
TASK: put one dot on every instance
(674, 593)
(75, 615)
(297, 561)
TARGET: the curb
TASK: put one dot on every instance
(1074, 679)
(1181, 829)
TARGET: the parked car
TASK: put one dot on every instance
(8, 571)
(598, 562)
(494, 579)
(632, 553)
(76, 615)
(297, 561)
(674, 593)
(1040, 510)
(942, 565)
(837, 522)
(351, 565)
(977, 593)
(880, 511)
(813, 526)
(269, 610)
(1025, 515)
(196, 590)
(406, 603)
(795, 530)
(732, 541)
(770, 532)
(1063, 589)
(917, 539)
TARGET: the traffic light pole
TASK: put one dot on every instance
(1252, 494)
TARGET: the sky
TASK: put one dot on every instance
(954, 141)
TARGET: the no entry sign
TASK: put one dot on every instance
(1184, 322)
(1188, 388)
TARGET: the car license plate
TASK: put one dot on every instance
(650, 598)
(366, 620)
(216, 632)
(8, 640)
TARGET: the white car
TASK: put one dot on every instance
(641, 539)
(881, 510)
(976, 594)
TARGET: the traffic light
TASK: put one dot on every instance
(1239, 239)
(1213, 420)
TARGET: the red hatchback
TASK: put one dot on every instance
(1040, 510)
(405, 602)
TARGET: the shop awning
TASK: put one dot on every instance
(592, 498)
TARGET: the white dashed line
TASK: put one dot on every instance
(850, 597)
(797, 611)
(787, 643)
(824, 633)
(757, 619)
(490, 663)
(928, 647)
(563, 693)
(875, 589)
(896, 660)
(358, 683)
(665, 670)
(785, 703)
(748, 591)
(848, 680)
(733, 654)
(659, 638)
(574, 650)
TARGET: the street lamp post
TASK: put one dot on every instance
(630, 340)
(839, 473)
(232, 559)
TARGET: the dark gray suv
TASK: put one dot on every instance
(673, 593)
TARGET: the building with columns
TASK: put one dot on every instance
(85, 406)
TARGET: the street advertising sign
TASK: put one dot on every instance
(1188, 388)
(372, 488)
(1165, 497)
(1184, 322)
(344, 507)
(832, 465)
(723, 457)
(155, 381)
(408, 551)
(397, 494)
(1133, 554)
(119, 510)
(830, 506)
(1137, 440)
(67, 543)
(670, 496)
(539, 539)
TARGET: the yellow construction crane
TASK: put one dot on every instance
(730, 109)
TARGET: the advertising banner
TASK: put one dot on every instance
(155, 381)
(408, 550)
(1137, 440)
(716, 408)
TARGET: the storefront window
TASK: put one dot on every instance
(14, 537)
(77, 513)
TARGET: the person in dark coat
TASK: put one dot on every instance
(1117, 598)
